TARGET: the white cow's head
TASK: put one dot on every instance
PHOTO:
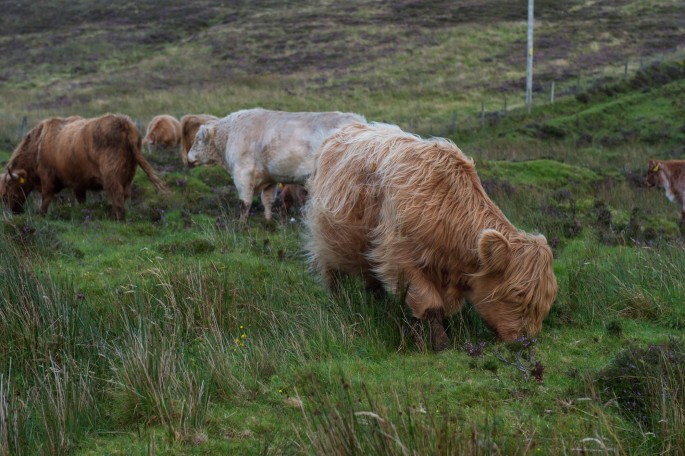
(204, 150)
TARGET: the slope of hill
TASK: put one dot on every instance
(389, 60)
(184, 331)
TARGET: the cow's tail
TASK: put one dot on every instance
(151, 174)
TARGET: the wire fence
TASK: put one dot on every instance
(492, 108)
(547, 91)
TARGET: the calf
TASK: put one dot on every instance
(292, 197)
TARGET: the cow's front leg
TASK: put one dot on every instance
(436, 320)
(244, 181)
(47, 191)
(268, 198)
(115, 191)
(80, 195)
(425, 302)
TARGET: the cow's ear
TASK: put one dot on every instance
(493, 251)
(209, 133)
(19, 175)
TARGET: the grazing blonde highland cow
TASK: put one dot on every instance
(164, 132)
(411, 215)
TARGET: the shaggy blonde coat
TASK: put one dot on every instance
(164, 131)
(411, 214)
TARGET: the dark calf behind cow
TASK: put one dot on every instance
(77, 153)
(292, 197)
(669, 175)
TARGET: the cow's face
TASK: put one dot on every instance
(204, 150)
(14, 188)
(516, 286)
(654, 175)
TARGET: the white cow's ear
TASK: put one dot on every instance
(209, 133)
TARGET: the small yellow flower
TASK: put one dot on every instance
(243, 336)
(241, 326)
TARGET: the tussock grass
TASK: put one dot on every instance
(184, 330)
(646, 385)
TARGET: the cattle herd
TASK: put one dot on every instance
(407, 214)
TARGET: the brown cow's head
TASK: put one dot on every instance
(654, 175)
(516, 286)
(14, 189)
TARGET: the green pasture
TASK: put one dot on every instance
(184, 331)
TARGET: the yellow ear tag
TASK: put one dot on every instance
(22, 180)
(656, 168)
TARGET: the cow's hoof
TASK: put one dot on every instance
(439, 339)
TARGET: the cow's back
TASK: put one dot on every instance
(164, 130)
(407, 195)
(282, 144)
(79, 152)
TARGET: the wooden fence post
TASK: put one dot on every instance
(24, 127)
(551, 93)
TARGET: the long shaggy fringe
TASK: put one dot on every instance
(402, 210)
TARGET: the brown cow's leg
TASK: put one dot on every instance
(80, 196)
(436, 319)
(375, 287)
(46, 198)
(425, 302)
(47, 191)
(115, 191)
(268, 198)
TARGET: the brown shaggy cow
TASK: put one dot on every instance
(292, 196)
(669, 175)
(163, 132)
(77, 153)
(411, 215)
(190, 124)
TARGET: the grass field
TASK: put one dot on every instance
(184, 331)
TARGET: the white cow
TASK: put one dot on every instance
(261, 148)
